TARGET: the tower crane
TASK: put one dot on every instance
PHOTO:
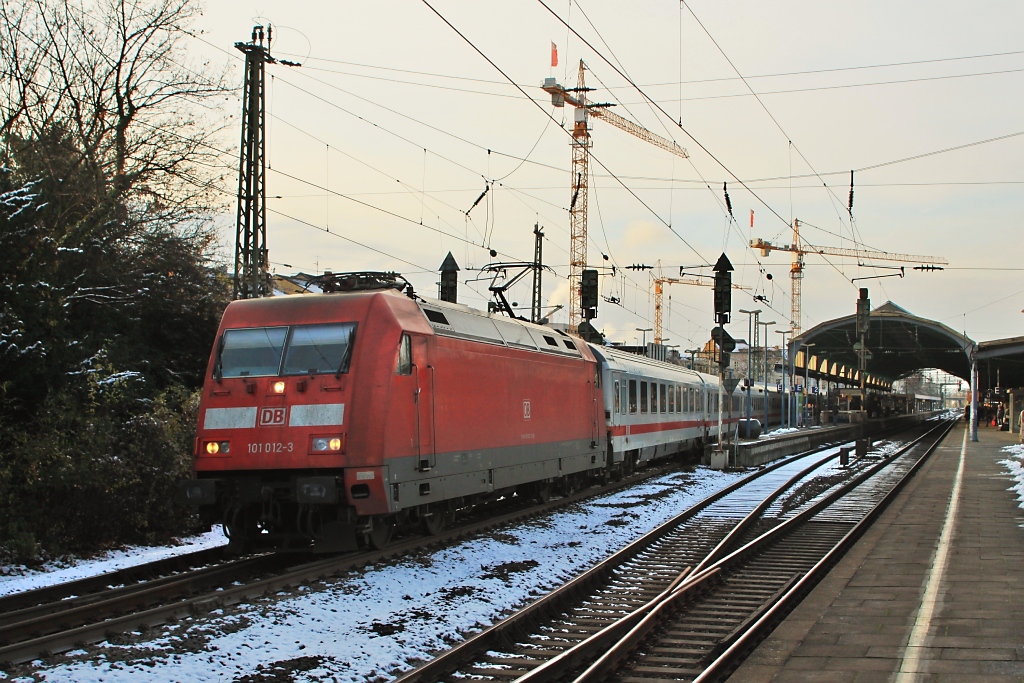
(659, 293)
(796, 269)
(577, 97)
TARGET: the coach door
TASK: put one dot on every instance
(423, 372)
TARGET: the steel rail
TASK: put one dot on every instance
(553, 603)
(48, 618)
(59, 592)
(748, 638)
(607, 660)
(35, 637)
(638, 622)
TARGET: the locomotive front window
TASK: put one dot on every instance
(251, 352)
(319, 349)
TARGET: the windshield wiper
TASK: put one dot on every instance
(343, 366)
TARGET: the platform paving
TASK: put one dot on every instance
(856, 624)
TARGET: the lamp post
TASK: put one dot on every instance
(751, 322)
(692, 352)
(645, 330)
(766, 401)
(785, 396)
(807, 396)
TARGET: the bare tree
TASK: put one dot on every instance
(115, 86)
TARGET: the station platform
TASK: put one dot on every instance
(918, 598)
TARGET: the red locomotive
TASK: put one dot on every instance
(327, 419)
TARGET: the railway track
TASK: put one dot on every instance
(64, 616)
(691, 598)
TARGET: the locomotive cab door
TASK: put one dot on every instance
(423, 397)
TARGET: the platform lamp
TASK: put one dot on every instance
(785, 396)
(751, 322)
(644, 331)
(765, 337)
(692, 353)
(807, 396)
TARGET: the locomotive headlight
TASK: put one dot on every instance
(278, 387)
(217, 447)
(326, 444)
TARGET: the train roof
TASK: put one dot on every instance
(462, 322)
(642, 365)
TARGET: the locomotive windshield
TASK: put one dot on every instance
(251, 352)
(298, 350)
(315, 349)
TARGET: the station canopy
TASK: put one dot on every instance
(898, 344)
(1001, 364)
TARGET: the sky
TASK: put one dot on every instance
(379, 144)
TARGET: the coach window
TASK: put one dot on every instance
(643, 397)
(663, 392)
(654, 397)
(618, 404)
(632, 396)
(671, 398)
(404, 366)
(679, 399)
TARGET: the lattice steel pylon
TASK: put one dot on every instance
(252, 266)
(581, 144)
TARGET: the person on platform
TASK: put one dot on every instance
(1021, 422)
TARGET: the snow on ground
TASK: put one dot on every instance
(1015, 467)
(371, 624)
(778, 432)
(18, 578)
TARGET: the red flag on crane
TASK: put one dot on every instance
(554, 55)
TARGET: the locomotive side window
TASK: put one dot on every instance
(404, 365)
(316, 349)
(632, 395)
(643, 397)
(251, 352)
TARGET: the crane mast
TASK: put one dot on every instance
(578, 204)
(581, 143)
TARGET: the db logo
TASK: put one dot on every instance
(272, 417)
(526, 410)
